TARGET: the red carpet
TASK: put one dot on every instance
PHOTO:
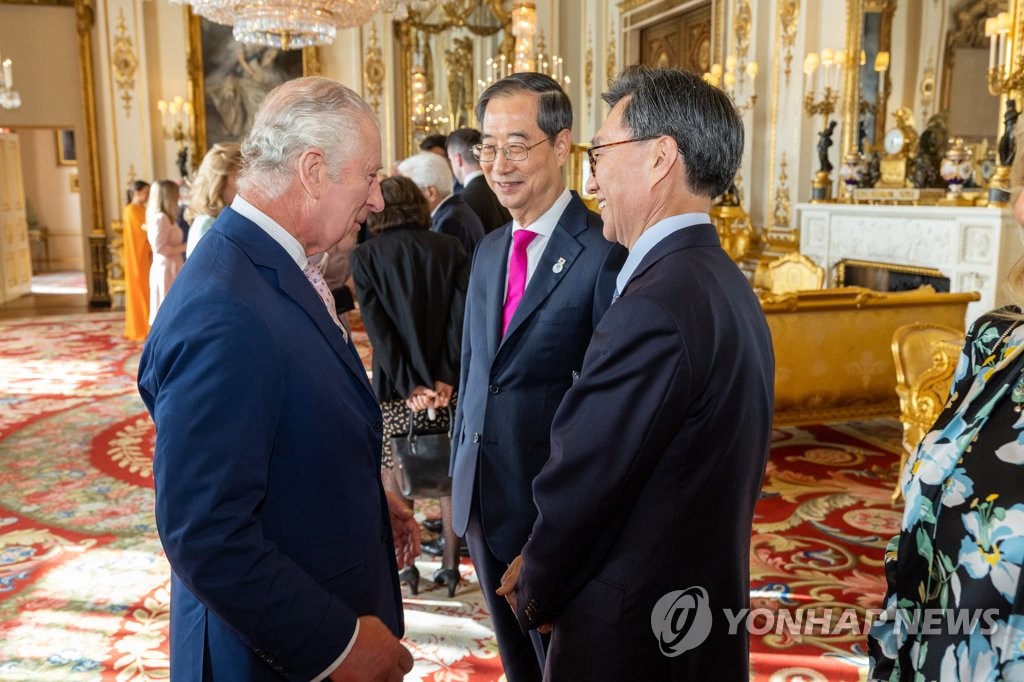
(83, 582)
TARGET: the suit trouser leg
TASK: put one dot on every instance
(521, 655)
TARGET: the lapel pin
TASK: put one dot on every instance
(557, 267)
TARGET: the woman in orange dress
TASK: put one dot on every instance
(138, 257)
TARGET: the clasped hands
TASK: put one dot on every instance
(508, 589)
(423, 398)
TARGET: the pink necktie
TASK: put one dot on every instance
(312, 273)
(516, 274)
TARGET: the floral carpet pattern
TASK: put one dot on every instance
(84, 582)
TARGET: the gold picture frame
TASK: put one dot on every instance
(227, 80)
(66, 154)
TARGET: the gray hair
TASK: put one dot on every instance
(296, 116)
(426, 169)
(554, 110)
(698, 116)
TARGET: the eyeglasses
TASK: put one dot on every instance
(593, 157)
(513, 151)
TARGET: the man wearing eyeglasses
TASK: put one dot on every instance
(659, 449)
(537, 289)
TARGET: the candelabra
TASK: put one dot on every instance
(731, 79)
(832, 64)
(177, 124)
(1004, 70)
(427, 117)
(9, 97)
(528, 55)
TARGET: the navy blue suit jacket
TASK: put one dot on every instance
(456, 218)
(657, 456)
(511, 386)
(268, 496)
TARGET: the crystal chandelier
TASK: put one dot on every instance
(285, 24)
(9, 97)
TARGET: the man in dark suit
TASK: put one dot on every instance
(449, 213)
(268, 496)
(476, 192)
(658, 450)
(537, 289)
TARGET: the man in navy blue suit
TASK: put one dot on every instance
(475, 190)
(537, 289)
(283, 545)
(449, 214)
(658, 451)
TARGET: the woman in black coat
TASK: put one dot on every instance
(411, 285)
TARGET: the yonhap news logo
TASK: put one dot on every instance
(682, 619)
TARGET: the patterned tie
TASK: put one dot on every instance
(516, 274)
(312, 273)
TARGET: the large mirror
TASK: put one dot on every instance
(875, 82)
(973, 112)
(441, 54)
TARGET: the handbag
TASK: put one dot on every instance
(421, 460)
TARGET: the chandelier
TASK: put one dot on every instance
(9, 97)
(287, 24)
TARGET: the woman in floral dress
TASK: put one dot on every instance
(953, 608)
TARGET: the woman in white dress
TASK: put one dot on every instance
(166, 239)
(213, 188)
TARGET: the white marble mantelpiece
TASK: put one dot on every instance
(974, 247)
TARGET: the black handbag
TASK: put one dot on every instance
(421, 460)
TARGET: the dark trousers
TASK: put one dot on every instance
(521, 655)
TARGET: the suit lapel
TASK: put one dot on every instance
(556, 261)
(267, 253)
(497, 265)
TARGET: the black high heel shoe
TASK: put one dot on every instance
(449, 577)
(411, 577)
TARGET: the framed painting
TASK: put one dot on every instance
(228, 80)
(66, 147)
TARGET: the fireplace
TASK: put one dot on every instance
(888, 277)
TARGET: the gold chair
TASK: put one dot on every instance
(789, 273)
(925, 356)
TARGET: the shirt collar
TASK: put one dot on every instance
(440, 204)
(650, 238)
(545, 225)
(280, 235)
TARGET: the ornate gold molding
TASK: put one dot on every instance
(588, 72)
(789, 16)
(741, 22)
(609, 59)
(123, 62)
(782, 211)
(373, 70)
(851, 75)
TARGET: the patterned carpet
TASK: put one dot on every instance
(83, 581)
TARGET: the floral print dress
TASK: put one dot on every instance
(954, 609)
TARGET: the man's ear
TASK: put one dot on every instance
(313, 171)
(563, 145)
(666, 153)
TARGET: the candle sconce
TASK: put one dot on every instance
(732, 79)
(177, 124)
(828, 77)
(9, 97)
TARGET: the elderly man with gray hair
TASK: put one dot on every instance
(284, 546)
(448, 212)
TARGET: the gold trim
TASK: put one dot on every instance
(123, 62)
(610, 59)
(373, 69)
(840, 269)
(789, 15)
(782, 215)
(47, 3)
(851, 80)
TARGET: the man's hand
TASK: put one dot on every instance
(508, 582)
(404, 529)
(508, 589)
(375, 656)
